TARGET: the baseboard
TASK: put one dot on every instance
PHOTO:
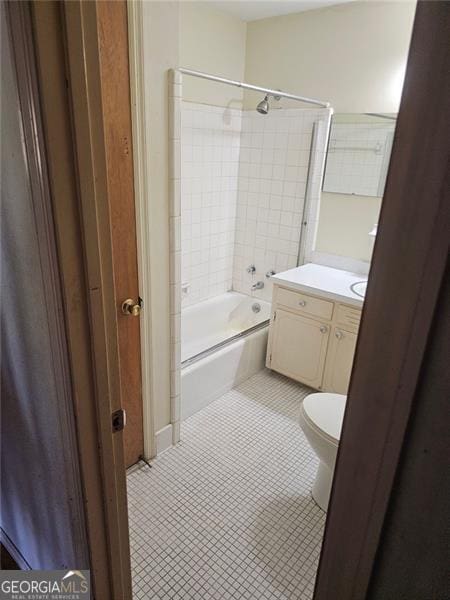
(14, 551)
(163, 439)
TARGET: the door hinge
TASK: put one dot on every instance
(118, 420)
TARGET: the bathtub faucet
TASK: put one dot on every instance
(258, 285)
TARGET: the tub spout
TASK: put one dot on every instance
(258, 285)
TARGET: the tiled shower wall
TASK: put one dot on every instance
(210, 141)
(243, 186)
(273, 174)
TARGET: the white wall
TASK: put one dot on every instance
(211, 41)
(161, 48)
(344, 223)
(210, 138)
(352, 55)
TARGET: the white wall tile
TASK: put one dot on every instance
(243, 189)
(273, 171)
(209, 188)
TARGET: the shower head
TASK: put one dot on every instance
(263, 106)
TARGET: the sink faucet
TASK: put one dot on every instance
(258, 285)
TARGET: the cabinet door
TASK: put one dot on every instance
(339, 361)
(299, 347)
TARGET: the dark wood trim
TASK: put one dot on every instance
(81, 40)
(413, 556)
(407, 271)
(116, 108)
(67, 54)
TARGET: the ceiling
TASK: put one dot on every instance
(252, 10)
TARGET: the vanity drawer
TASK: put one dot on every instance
(302, 303)
(348, 317)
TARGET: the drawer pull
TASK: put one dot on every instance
(302, 303)
(339, 335)
(323, 329)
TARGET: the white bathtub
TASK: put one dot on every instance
(206, 374)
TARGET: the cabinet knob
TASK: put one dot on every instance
(339, 334)
(302, 303)
(323, 329)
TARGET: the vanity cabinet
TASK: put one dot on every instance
(339, 360)
(299, 347)
(312, 339)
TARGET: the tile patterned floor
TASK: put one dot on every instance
(228, 513)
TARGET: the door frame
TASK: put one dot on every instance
(141, 135)
(397, 318)
(65, 39)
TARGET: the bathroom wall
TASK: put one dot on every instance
(212, 41)
(345, 221)
(273, 172)
(209, 183)
(161, 53)
(352, 55)
(243, 184)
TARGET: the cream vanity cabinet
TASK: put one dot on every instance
(312, 339)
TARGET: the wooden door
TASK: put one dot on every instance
(299, 347)
(339, 361)
(115, 85)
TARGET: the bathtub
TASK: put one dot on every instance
(223, 342)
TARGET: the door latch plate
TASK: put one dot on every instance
(118, 420)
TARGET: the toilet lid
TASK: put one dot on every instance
(326, 411)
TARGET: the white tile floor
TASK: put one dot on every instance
(228, 513)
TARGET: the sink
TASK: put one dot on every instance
(359, 288)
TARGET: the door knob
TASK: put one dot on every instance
(131, 308)
(323, 329)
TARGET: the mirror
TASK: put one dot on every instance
(356, 166)
(358, 154)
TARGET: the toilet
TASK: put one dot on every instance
(321, 417)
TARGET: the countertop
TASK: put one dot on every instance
(322, 281)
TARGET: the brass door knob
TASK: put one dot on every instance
(131, 308)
